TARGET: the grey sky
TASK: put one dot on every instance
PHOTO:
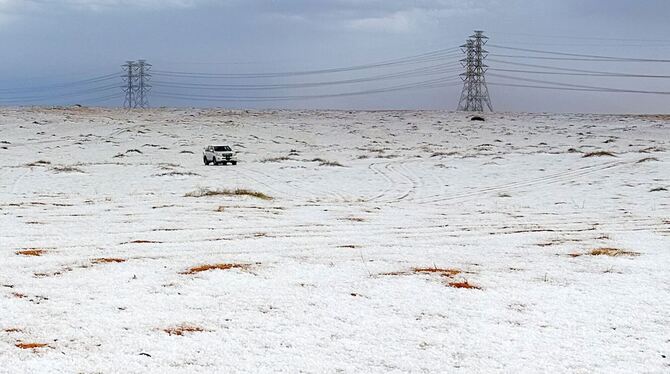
(52, 41)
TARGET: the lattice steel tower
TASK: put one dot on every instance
(475, 92)
(129, 76)
(143, 86)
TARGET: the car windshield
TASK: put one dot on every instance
(222, 148)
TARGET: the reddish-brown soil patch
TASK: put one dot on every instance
(464, 284)
(183, 329)
(201, 268)
(31, 252)
(30, 345)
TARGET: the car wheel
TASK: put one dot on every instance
(225, 162)
(204, 159)
(214, 161)
(234, 162)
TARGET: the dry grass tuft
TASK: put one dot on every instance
(323, 162)
(201, 268)
(203, 192)
(599, 154)
(12, 329)
(31, 252)
(66, 169)
(646, 159)
(108, 260)
(30, 345)
(355, 219)
(435, 270)
(220, 209)
(182, 329)
(464, 284)
(38, 163)
(658, 189)
(444, 272)
(275, 159)
(142, 242)
(612, 252)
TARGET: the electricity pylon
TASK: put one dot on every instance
(143, 86)
(475, 92)
(136, 87)
(129, 84)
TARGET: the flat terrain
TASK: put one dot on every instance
(341, 242)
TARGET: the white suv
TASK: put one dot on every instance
(218, 154)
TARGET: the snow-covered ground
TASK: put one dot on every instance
(333, 273)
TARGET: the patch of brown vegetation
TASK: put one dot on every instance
(201, 268)
(441, 272)
(38, 163)
(599, 154)
(19, 295)
(31, 252)
(464, 284)
(30, 345)
(646, 159)
(612, 252)
(444, 272)
(183, 329)
(275, 159)
(323, 162)
(651, 149)
(66, 169)
(203, 192)
(108, 260)
(12, 329)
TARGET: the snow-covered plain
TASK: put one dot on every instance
(327, 279)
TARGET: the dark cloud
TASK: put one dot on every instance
(63, 39)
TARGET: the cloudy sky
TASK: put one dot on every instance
(47, 43)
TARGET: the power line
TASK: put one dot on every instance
(82, 82)
(581, 37)
(554, 67)
(586, 87)
(608, 58)
(438, 55)
(434, 83)
(593, 74)
(15, 99)
(424, 71)
(581, 89)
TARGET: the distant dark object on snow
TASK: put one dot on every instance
(477, 118)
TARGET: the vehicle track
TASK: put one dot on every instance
(567, 176)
